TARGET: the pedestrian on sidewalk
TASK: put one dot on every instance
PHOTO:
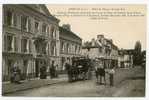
(17, 74)
(69, 70)
(111, 76)
(52, 70)
(12, 75)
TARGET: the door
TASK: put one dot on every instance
(36, 68)
(10, 67)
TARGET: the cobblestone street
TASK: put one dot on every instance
(128, 82)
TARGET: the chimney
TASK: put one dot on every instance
(67, 26)
(99, 37)
(93, 42)
(111, 40)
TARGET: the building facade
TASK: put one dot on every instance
(70, 45)
(30, 39)
(101, 48)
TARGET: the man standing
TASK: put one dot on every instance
(111, 76)
(17, 74)
(69, 72)
(52, 70)
(103, 73)
(100, 70)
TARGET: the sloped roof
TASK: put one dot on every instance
(64, 32)
(42, 9)
(97, 45)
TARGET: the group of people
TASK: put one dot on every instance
(53, 71)
(72, 71)
(43, 74)
(101, 73)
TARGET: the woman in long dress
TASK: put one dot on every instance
(17, 73)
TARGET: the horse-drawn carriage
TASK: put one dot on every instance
(80, 69)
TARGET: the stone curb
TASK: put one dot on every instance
(33, 86)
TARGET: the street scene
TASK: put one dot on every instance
(48, 54)
(124, 86)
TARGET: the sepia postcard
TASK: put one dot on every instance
(74, 50)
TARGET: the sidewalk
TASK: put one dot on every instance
(8, 87)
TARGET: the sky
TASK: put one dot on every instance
(124, 31)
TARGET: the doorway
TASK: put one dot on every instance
(36, 68)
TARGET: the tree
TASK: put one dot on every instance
(138, 47)
(137, 53)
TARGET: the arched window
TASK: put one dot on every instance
(67, 48)
(53, 48)
(52, 31)
(62, 46)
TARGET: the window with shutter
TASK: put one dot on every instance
(5, 43)
(24, 23)
(15, 44)
(29, 25)
(9, 18)
(44, 28)
(15, 20)
(62, 46)
(47, 30)
(9, 43)
(52, 32)
(24, 45)
(67, 48)
(75, 49)
(30, 46)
